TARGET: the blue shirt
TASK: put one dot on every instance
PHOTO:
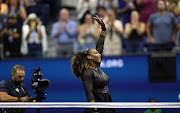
(11, 88)
(64, 37)
(163, 27)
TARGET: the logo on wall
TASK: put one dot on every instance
(112, 63)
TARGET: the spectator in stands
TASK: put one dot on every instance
(84, 7)
(40, 8)
(113, 44)
(14, 7)
(125, 9)
(146, 8)
(153, 110)
(172, 6)
(101, 12)
(34, 37)
(135, 31)
(12, 37)
(3, 8)
(88, 33)
(64, 32)
(3, 20)
(164, 27)
(109, 4)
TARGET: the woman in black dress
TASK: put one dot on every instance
(86, 65)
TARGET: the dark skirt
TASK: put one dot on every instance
(101, 97)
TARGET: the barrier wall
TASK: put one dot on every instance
(128, 79)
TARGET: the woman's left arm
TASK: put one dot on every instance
(141, 28)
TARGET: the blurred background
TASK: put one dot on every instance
(141, 51)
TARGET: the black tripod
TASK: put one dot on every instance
(40, 96)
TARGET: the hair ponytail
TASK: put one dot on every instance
(79, 63)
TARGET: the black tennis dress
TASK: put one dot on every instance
(96, 83)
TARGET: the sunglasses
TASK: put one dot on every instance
(20, 76)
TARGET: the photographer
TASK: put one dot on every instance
(13, 90)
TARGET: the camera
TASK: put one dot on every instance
(39, 85)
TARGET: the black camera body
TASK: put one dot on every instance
(39, 85)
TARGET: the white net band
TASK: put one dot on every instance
(88, 105)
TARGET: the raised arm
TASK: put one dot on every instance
(100, 42)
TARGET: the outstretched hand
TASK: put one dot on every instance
(99, 20)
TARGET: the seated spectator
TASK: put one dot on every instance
(12, 37)
(146, 8)
(109, 4)
(164, 29)
(40, 8)
(88, 33)
(153, 110)
(113, 43)
(84, 7)
(125, 9)
(64, 32)
(135, 31)
(20, 11)
(34, 37)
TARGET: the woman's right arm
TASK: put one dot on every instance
(87, 79)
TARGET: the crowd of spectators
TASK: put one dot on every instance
(133, 26)
(23, 27)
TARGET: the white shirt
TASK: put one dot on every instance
(113, 45)
(82, 7)
(34, 38)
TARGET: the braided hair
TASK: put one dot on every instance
(79, 63)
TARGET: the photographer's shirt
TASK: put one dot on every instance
(13, 89)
